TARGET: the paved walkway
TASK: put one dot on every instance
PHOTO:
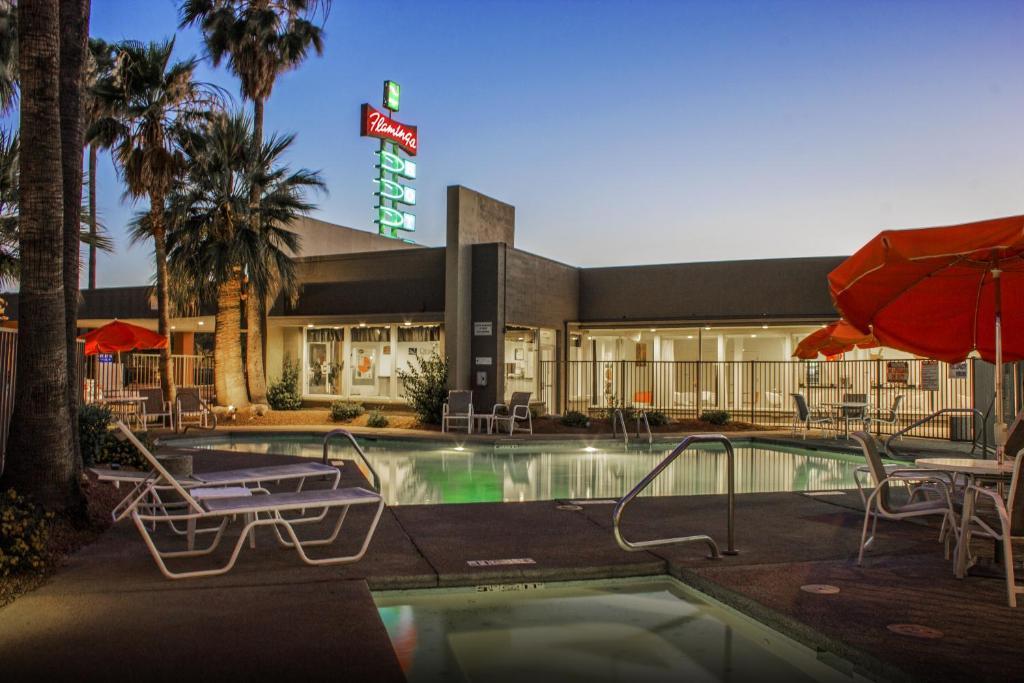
(109, 612)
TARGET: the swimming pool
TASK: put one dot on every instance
(631, 630)
(430, 472)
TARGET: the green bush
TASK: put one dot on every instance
(342, 411)
(656, 418)
(426, 387)
(376, 419)
(93, 430)
(574, 418)
(117, 450)
(284, 393)
(24, 531)
(628, 412)
(715, 417)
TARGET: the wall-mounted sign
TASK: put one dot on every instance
(930, 375)
(377, 124)
(393, 197)
(484, 360)
(485, 329)
(897, 372)
(958, 370)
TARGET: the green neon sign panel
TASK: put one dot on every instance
(392, 163)
(389, 189)
(392, 94)
(393, 218)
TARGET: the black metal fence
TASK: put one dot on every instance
(759, 392)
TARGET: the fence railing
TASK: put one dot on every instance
(758, 392)
(108, 375)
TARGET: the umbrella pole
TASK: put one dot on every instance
(1000, 425)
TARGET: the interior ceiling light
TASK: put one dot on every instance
(201, 322)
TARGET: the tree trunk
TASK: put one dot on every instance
(41, 458)
(156, 217)
(228, 373)
(93, 154)
(74, 34)
(256, 303)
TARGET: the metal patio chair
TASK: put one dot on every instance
(156, 407)
(921, 483)
(193, 410)
(1007, 527)
(856, 414)
(807, 417)
(515, 411)
(458, 408)
(888, 417)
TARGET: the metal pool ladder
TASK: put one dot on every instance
(355, 444)
(620, 507)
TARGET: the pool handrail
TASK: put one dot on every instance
(633, 546)
(355, 444)
(889, 452)
(617, 419)
(642, 415)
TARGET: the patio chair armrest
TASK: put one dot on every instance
(525, 412)
(503, 406)
(929, 477)
(1000, 504)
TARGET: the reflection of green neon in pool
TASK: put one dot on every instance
(429, 472)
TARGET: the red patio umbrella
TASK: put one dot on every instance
(941, 293)
(832, 340)
(118, 336)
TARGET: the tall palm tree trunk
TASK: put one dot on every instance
(42, 458)
(74, 35)
(156, 216)
(93, 155)
(256, 303)
(228, 373)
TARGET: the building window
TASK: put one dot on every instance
(372, 361)
(324, 361)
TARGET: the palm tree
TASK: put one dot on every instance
(261, 40)
(212, 244)
(147, 101)
(99, 66)
(41, 448)
(8, 55)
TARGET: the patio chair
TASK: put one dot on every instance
(808, 417)
(193, 410)
(257, 507)
(887, 417)
(515, 411)
(458, 407)
(921, 483)
(156, 407)
(1007, 527)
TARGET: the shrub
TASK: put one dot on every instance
(342, 411)
(116, 450)
(93, 430)
(628, 412)
(376, 419)
(426, 387)
(574, 418)
(715, 417)
(284, 393)
(24, 531)
(656, 418)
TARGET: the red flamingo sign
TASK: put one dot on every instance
(377, 124)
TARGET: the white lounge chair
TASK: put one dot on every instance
(515, 411)
(257, 507)
(458, 408)
(921, 483)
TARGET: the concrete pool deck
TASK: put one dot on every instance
(109, 611)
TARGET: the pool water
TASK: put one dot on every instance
(633, 630)
(430, 472)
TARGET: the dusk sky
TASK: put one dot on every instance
(647, 132)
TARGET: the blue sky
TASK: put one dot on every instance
(646, 132)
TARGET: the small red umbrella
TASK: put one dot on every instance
(118, 336)
(832, 340)
(941, 293)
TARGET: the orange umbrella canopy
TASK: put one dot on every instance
(833, 339)
(118, 336)
(938, 292)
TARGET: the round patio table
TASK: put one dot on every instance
(973, 469)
